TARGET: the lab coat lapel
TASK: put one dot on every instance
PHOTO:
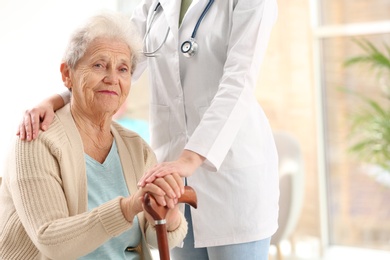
(194, 12)
(198, 4)
(172, 11)
(201, 3)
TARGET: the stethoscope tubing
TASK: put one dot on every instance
(206, 9)
(149, 26)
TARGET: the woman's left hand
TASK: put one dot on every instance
(187, 163)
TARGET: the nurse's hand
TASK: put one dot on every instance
(173, 187)
(39, 118)
(187, 163)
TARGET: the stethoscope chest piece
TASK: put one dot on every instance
(189, 48)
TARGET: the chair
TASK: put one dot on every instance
(291, 183)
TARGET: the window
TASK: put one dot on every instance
(357, 213)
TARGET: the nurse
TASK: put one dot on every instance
(204, 57)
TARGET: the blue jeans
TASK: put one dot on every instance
(256, 250)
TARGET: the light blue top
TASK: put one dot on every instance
(139, 126)
(106, 182)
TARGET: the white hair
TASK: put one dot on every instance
(111, 25)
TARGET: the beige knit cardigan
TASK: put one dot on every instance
(43, 197)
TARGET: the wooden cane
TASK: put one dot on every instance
(159, 213)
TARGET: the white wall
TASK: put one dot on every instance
(33, 35)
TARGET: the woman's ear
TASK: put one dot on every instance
(65, 72)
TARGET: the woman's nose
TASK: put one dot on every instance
(111, 77)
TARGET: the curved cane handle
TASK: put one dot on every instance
(189, 197)
(159, 212)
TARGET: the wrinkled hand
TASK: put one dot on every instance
(166, 190)
(172, 186)
(38, 118)
(187, 163)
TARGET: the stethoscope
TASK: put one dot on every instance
(188, 48)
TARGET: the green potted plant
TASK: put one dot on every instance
(370, 123)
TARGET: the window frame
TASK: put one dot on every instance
(319, 33)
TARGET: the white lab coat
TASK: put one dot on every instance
(206, 104)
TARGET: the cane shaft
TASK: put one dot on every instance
(159, 213)
(162, 239)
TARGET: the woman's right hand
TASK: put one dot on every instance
(38, 118)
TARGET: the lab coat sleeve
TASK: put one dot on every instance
(252, 22)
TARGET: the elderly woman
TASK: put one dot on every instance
(72, 193)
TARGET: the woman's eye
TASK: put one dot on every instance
(123, 69)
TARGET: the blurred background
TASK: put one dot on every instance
(324, 85)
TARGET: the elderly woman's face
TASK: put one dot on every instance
(102, 77)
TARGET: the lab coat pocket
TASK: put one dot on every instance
(159, 126)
